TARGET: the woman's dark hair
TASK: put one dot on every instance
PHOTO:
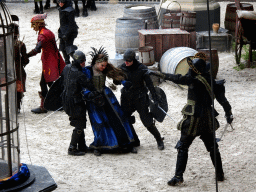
(111, 71)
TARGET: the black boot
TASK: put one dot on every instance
(47, 4)
(96, 152)
(41, 108)
(176, 180)
(181, 164)
(81, 143)
(41, 7)
(153, 130)
(220, 174)
(36, 10)
(77, 11)
(72, 150)
(85, 13)
(93, 6)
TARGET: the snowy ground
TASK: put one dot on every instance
(45, 143)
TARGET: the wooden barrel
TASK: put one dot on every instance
(215, 60)
(145, 12)
(146, 55)
(126, 34)
(174, 60)
(171, 20)
(188, 21)
(230, 16)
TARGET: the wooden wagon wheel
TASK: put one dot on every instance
(239, 42)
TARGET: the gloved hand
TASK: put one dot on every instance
(127, 84)
(64, 37)
(31, 53)
(229, 117)
(155, 106)
(97, 98)
(156, 73)
(92, 94)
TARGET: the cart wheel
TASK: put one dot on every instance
(239, 42)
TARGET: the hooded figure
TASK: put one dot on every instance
(197, 116)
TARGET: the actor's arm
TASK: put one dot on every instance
(179, 79)
(219, 91)
(38, 47)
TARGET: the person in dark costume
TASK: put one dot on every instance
(77, 11)
(48, 4)
(112, 132)
(73, 80)
(197, 116)
(90, 4)
(52, 61)
(134, 96)
(68, 29)
(40, 9)
(21, 60)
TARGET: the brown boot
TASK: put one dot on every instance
(41, 108)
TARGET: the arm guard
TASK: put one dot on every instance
(36, 50)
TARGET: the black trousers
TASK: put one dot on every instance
(207, 138)
(44, 86)
(131, 104)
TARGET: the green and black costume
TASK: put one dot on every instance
(197, 118)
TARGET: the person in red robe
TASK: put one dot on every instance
(52, 62)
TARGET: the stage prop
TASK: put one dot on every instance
(14, 175)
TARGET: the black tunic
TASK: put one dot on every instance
(73, 81)
(197, 113)
(136, 98)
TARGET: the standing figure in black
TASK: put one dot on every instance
(68, 29)
(134, 96)
(197, 116)
(73, 80)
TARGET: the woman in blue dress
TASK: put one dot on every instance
(111, 128)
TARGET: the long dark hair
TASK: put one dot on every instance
(111, 71)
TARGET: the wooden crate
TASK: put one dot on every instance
(164, 39)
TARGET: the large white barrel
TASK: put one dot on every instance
(174, 60)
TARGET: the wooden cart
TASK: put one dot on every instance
(245, 32)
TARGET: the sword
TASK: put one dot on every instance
(49, 115)
(225, 129)
(166, 114)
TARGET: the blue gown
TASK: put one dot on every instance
(110, 127)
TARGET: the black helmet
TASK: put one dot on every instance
(197, 65)
(129, 55)
(79, 56)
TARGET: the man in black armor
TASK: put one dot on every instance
(68, 29)
(134, 96)
(73, 80)
(197, 116)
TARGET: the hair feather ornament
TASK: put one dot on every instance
(96, 53)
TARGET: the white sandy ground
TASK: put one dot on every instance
(46, 143)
